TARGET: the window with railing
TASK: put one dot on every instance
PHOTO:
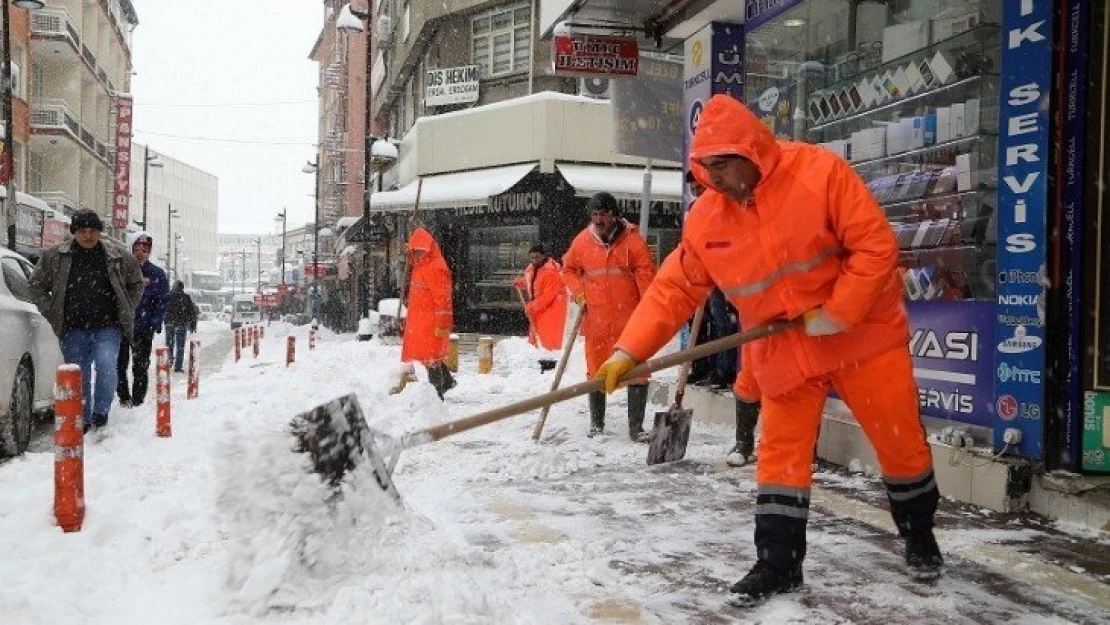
(501, 40)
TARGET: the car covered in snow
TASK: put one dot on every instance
(28, 360)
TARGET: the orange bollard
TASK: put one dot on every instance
(193, 385)
(238, 344)
(290, 349)
(162, 423)
(69, 450)
(255, 341)
(261, 331)
(312, 338)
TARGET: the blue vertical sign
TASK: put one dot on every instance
(1022, 193)
(1073, 154)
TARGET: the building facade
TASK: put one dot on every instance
(80, 62)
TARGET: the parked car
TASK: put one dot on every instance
(244, 310)
(206, 312)
(29, 359)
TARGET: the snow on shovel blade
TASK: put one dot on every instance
(670, 436)
(336, 438)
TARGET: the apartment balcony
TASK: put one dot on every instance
(54, 117)
(54, 33)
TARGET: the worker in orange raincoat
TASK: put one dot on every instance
(547, 301)
(608, 269)
(789, 230)
(430, 314)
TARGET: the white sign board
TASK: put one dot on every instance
(452, 85)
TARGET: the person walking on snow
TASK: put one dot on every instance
(789, 230)
(430, 313)
(607, 269)
(547, 301)
(88, 289)
(181, 318)
(148, 321)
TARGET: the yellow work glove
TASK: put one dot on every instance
(820, 324)
(580, 299)
(611, 370)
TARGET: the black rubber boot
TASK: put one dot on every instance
(747, 416)
(440, 377)
(597, 413)
(913, 504)
(637, 405)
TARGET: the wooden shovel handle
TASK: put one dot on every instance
(684, 372)
(537, 430)
(437, 432)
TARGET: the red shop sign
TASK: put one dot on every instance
(121, 186)
(595, 55)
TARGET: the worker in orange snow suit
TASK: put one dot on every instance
(788, 230)
(430, 315)
(546, 305)
(607, 269)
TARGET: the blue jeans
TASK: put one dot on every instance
(97, 348)
(724, 363)
(175, 340)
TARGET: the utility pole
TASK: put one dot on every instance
(148, 162)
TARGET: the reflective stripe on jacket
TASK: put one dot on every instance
(430, 314)
(812, 235)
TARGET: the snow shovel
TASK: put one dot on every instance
(538, 429)
(336, 436)
(672, 428)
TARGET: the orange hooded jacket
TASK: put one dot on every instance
(430, 317)
(547, 303)
(810, 235)
(613, 277)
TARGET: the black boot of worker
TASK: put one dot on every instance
(597, 413)
(747, 416)
(637, 405)
(440, 377)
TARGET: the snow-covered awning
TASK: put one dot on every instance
(467, 188)
(623, 182)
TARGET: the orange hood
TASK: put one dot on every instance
(423, 241)
(726, 126)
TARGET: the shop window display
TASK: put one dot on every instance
(908, 92)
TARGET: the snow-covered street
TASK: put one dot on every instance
(223, 524)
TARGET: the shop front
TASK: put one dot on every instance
(486, 221)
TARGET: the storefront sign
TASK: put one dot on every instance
(713, 63)
(1070, 179)
(453, 85)
(506, 204)
(595, 55)
(647, 112)
(757, 12)
(1096, 431)
(953, 361)
(121, 187)
(1023, 175)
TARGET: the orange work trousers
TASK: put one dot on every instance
(882, 396)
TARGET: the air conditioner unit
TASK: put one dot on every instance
(385, 29)
(594, 88)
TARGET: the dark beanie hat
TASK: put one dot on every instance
(85, 218)
(603, 201)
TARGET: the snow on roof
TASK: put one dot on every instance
(456, 189)
(666, 184)
(542, 96)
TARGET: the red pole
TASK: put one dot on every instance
(261, 331)
(238, 344)
(312, 338)
(69, 450)
(162, 423)
(290, 349)
(193, 387)
(254, 340)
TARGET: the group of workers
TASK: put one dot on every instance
(786, 231)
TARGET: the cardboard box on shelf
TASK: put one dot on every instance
(950, 26)
(944, 124)
(971, 116)
(902, 39)
(965, 178)
(943, 67)
(959, 129)
(914, 77)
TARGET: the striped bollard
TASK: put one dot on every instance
(290, 349)
(193, 387)
(162, 421)
(69, 450)
(254, 340)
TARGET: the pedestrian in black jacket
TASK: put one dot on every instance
(181, 318)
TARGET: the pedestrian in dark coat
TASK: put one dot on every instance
(148, 322)
(181, 318)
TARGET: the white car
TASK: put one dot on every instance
(29, 359)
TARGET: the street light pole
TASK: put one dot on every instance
(148, 162)
(313, 167)
(170, 214)
(258, 259)
(283, 217)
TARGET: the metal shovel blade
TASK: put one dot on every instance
(336, 438)
(670, 436)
